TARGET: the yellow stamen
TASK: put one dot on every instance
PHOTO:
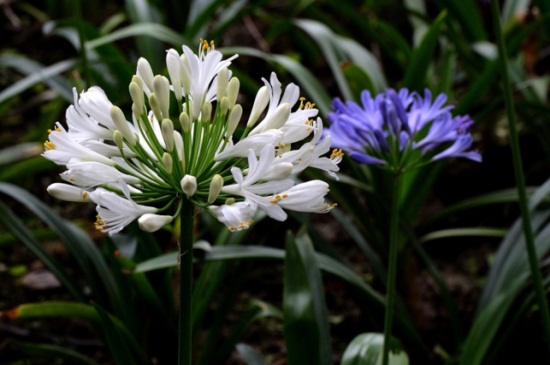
(85, 195)
(99, 223)
(49, 145)
(336, 153)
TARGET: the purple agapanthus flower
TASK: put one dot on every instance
(400, 130)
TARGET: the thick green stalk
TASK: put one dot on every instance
(186, 284)
(392, 266)
(520, 179)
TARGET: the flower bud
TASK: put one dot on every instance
(185, 122)
(206, 112)
(69, 192)
(234, 118)
(224, 105)
(233, 91)
(153, 222)
(223, 81)
(161, 86)
(168, 162)
(189, 185)
(178, 143)
(136, 92)
(261, 101)
(138, 81)
(154, 103)
(216, 186)
(145, 72)
(118, 139)
(122, 124)
(168, 134)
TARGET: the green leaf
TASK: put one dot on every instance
(37, 73)
(44, 351)
(52, 309)
(306, 331)
(325, 39)
(87, 255)
(415, 75)
(466, 12)
(140, 12)
(257, 311)
(155, 31)
(18, 229)
(20, 152)
(365, 60)
(115, 340)
(464, 232)
(486, 326)
(366, 349)
(357, 79)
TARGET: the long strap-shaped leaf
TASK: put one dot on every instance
(18, 229)
(307, 335)
(329, 265)
(85, 252)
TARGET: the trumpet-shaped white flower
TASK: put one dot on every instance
(91, 173)
(236, 216)
(158, 162)
(116, 212)
(305, 197)
(311, 154)
(201, 71)
(249, 186)
(61, 149)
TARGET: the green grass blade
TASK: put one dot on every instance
(257, 311)
(325, 39)
(115, 339)
(139, 12)
(51, 309)
(18, 229)
(85, 252)
(20, 152)
(46, 351)
(155, 31)
(37, 73)
(365, 60)
(464, 232)
(486, 326)
(422, 56)
(467, 14)
(306, 331)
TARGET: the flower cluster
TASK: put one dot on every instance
(145, 169)
(400, 130)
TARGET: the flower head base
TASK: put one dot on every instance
(144, 167)
(400, 130)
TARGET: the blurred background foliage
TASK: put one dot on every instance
(464, 277)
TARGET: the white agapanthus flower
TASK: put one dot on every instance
(144, 166)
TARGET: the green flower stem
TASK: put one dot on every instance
(520, 180)
(392, 266)
(186, 283)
